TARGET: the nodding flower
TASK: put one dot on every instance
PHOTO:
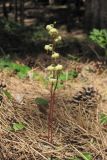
(49, 27)
(48, 47)
(50, 68)
(55, 55)
(54, 32)
(58, 39)
(59, 67)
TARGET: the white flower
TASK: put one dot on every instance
(55, 55)
(52, 80)
(59, 67)
(58, 39)
(49, 27)
(48, 47)
(50, 68)
(53, 32)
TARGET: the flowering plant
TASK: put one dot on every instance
(54, 72)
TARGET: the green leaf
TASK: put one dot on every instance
(103, 119)
(87, 156)
(18, 126)
(72, 74)
(63, 76)
(60, 85)
(68, 75)
(72, 57)
(21, 75)
(84, 156)
(99, 37)
(8, 94)
(41, 101)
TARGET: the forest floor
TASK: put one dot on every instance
(79, 131)
(75, 135)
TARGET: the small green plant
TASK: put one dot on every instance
(65, 76)
(4, 92)
(20, 70)
(103, 119)
(73, 58)
(54, 71)
(83, 156)
(8, 94)
(42, 104)
(100, 38)
(41, 101)
(18, 126)
(87, 156)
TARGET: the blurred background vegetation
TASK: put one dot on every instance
(22, 24)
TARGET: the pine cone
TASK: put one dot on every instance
(87, 97)
(83, 106)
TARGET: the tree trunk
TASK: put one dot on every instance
(22, 11)
(96, 14)
(16, 10)
(5, 9)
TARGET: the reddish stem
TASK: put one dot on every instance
(50, 115)
(50, 118)
(51, 106)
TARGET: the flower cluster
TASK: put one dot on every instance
(54, 69)
(53, 32)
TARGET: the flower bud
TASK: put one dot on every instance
(55, 55)
(49, 27)
(48, 47)
(52, 80)
(59, 67)
(50, 68)
(53, 32)
(58, 39)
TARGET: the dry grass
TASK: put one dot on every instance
(71, 135)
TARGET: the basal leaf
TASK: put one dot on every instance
(18, 126)
(41, 101)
